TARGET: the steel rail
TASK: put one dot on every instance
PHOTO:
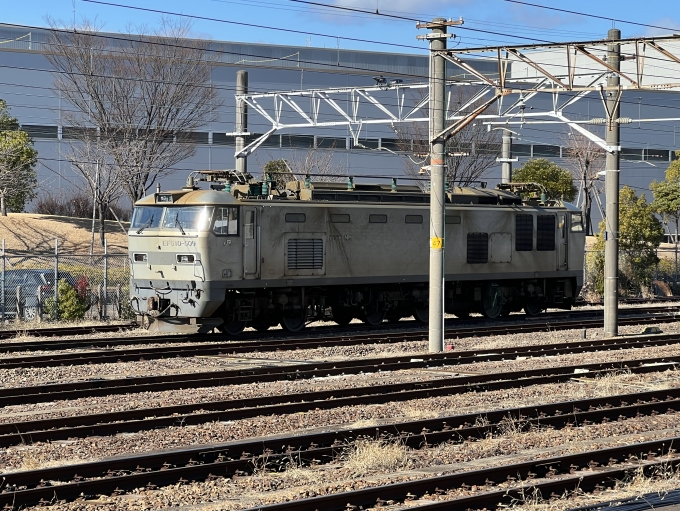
(215, 348)
(84, 330)
(590, 471)
(234, 458)
(200, 413)
(266, 372)
(65, 331)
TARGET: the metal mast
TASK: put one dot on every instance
(241, 121)
(611, 252)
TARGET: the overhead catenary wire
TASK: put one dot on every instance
(607, 18)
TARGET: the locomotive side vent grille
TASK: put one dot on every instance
(477, 247)
(305, 254)
(524, 233)
(545, 233)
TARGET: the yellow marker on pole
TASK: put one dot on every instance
(436, 242)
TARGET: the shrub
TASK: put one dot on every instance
(71, 305)
(75, 204)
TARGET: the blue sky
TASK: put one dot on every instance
(487, 23)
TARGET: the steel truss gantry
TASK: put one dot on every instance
(513, 76)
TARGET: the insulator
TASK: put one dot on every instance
(597, 120)
(624, 120)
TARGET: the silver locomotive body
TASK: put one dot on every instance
(204, 259)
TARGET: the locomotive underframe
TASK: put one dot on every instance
(294, 306)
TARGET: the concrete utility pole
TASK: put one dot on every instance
(506, 157)
(611, 246)
(241, 119)
(437, 179)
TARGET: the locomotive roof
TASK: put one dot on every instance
(198, 197)
(188, 198)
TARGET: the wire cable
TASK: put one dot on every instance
(608, 18)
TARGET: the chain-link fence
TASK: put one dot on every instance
(641, 273)
(94, 287)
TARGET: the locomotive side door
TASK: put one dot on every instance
(250, 243)
(562, 242)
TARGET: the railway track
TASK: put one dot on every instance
(553, 320)
(109, 355)
(200, 413)
(268, 372)
(239, 458)
(65, 331)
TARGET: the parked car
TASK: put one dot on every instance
(35, 286)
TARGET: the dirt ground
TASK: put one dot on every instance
(28, 232)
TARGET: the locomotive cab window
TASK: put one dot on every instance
(577, 222)
(545, 233)
(226, 222)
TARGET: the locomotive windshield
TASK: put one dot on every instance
(189, 218)
(146, 217)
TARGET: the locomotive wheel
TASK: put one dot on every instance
(533, 308)
(421, 313)
(373, 315)
(492, 302)
(343, 315)
(293, 321)
(233, 328)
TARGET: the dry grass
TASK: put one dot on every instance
(366, 457)
(659, 481)
(28, 232)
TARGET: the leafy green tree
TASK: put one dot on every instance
(640, 233)
(667, 196)
(558, 182)
(280, 173)
(17, 164)
(7, 122)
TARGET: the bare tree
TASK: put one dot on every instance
(586, 160)
(318, 163)
(470, 153)
(143, 94)
(92, 159)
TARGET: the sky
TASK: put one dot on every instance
(301, 23)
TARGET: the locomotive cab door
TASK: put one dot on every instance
(562, 242)
(251, 265)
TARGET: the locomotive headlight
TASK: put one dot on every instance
(185, 258)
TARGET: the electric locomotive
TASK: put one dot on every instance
(241, 254)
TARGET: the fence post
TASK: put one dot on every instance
(2, 284)
(675, 282)
(56, 279)
(106, 277)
